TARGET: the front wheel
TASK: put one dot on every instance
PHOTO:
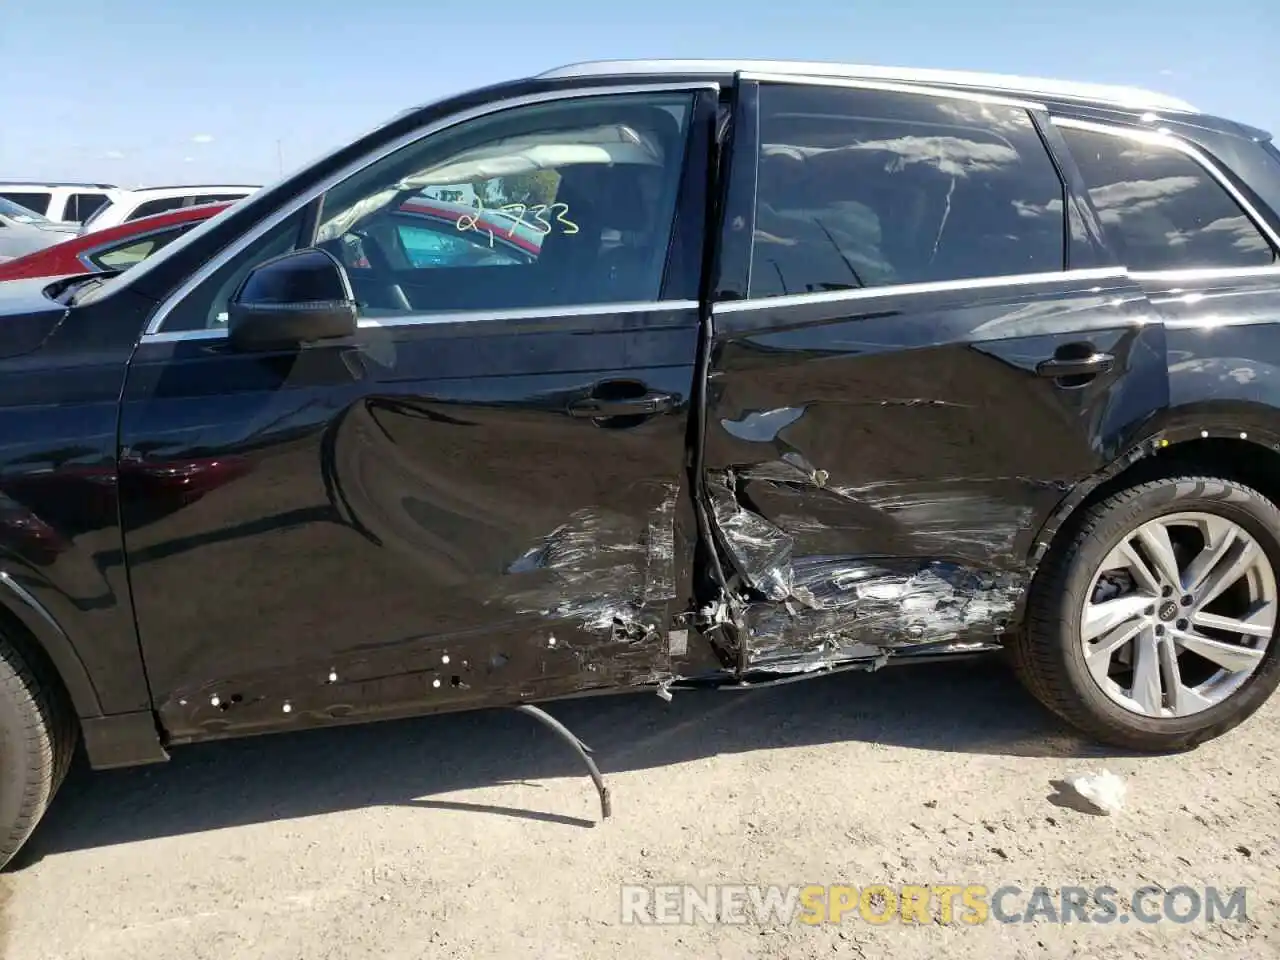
(36, 743)
(1153, 625)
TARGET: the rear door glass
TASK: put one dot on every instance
(866, 188)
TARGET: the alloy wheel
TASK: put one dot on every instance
(1179, 614)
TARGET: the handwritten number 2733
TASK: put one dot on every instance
(517, 212)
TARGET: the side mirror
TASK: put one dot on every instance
(296, 298)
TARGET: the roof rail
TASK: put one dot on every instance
(58, 183)
(1130, 97)
(200, 186)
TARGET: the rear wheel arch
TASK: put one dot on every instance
(1249, 456)
(1221, 449)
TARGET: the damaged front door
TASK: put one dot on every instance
(478, 498)
(910, 364)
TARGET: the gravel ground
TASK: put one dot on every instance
(475, 835)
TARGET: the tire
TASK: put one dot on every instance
(37, 740)
(1048, 654)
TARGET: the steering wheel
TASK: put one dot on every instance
(379, 286)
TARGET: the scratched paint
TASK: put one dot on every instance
(600, 569)
(817, 609)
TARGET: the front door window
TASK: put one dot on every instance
(567, 203)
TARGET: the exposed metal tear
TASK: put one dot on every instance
(823, 609)
(847, 608)
(601, 569)
(761, 552)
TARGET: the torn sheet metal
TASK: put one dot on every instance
(606, 571)
(847, 609)
(823, 608)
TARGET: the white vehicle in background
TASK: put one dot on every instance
(61, 202)
(145, 201)
(24, 231)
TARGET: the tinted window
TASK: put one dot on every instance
(81, 206)
(128, 252)
(148, 207)
(37, 202)
(862, 188)
(562, 203)
(1162, 209)
(445, 246)
(206, 307)
(581, 213)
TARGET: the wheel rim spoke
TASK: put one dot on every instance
(1183, 700)
(1228, 656)
(1219, 535)
(1237, 558)
(1260, 622)
(1155, 538)
(1147, 692)
(1103, 617)
(1124, 556)
(1098, 655)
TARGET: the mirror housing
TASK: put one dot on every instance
(298, 297)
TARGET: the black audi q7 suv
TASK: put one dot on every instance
(650, 375)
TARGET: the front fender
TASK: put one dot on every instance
(48, 634)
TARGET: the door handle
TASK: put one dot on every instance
(598, 408)
(1087, 366)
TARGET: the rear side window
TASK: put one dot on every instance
(148, 207)
(82, 206)
(865, 188)
(1162, 209)
(36, 202)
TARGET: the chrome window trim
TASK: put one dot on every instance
(1171, 140)
(173, 336)
(461, 316)
(1200, 274)
(889, 86)
(297, 203)
(85, 255)
(932, 286)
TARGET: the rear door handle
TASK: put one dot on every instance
(1089, 366)
(597, 408)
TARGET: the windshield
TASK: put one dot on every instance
(1270, 150)
(20, 213)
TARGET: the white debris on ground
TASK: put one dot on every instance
(1104, 790)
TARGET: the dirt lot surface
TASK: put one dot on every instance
(476, 836)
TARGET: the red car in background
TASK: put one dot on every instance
(116, 248)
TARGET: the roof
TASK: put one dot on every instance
(58, 183)
(210, 187)
(1133, 98)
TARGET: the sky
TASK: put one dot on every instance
(176, 91)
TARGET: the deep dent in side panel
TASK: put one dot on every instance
(819, 610)
(598, 585)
